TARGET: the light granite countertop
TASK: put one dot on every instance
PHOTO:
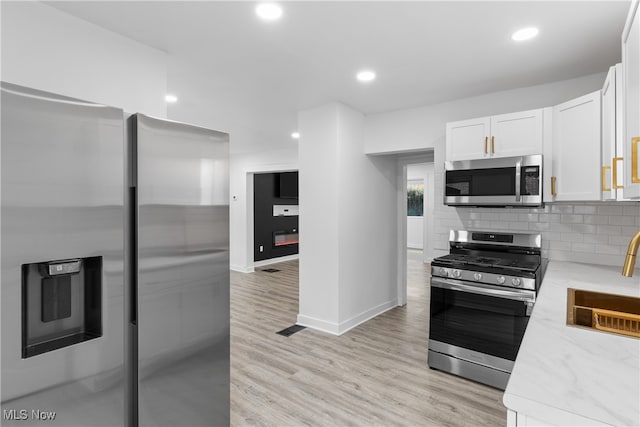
(564, 375)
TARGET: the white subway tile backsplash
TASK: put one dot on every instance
(622, 220)
(585, 257)
(585, 209)
(550, 236)
(560, 227)
(573, 219)
(609, 249)
(572, 237)
(548, 217)
(619, 240)
(583, 247)
(560, 246)
(584, 228)
(539, 226)
(528, 217)
(583, 232)
(596, 219)
(596, 238)
(519, 226)
(508, 216)
(609, 229)
(609, 210)
(563, 209)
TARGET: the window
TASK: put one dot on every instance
(415, 197)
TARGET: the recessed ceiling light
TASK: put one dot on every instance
(295, 135)
(525, 34)
(366, 76)
(269, 11)
(171, 99)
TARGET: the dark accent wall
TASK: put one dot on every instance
(266, 192)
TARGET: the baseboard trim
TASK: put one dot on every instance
(275, 260)
(366, 315)
(342, 327)
(318, 324)
(241, 268)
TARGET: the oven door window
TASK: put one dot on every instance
(486, 324)
(481, 182)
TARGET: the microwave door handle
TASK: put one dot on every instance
(518, 175)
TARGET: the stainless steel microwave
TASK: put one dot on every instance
(505, 181)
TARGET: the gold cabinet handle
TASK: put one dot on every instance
(553, 186)
(634, 160)
(486, 145)
(604, 178)
(493, 145)
(614, 174)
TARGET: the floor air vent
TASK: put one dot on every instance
(271, 270)
(286, 332)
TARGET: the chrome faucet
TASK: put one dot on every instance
(630, 260)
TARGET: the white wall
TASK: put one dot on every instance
(254, 147)
(348, 219)
(319, 210)
(424, 127)
(50, 50)
(584, 232)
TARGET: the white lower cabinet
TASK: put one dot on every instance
(575, 154)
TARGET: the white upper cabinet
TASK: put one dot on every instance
(612, 168)
(506, 135)
(516, 134)
(631, 77)
(575, 162)
(468, 139)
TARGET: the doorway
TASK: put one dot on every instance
(415, 225)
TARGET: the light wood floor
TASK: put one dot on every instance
(374, 375)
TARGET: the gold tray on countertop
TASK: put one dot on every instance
(616, 322)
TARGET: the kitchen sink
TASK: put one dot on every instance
(616, 314)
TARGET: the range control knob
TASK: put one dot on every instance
(456, 273)
(500, 280)
(515, 281)
(477, 276)
(443, 272)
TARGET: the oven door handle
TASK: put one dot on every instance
(480, 289)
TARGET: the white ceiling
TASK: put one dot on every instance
(424, 52)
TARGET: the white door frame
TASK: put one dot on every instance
(401, 178)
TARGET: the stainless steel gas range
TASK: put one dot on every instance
(482, 295)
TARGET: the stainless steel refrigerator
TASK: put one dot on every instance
(115, 266)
